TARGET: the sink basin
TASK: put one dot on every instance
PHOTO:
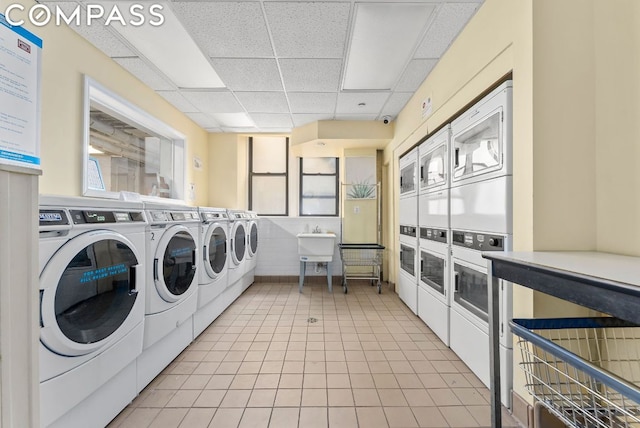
(316, 247)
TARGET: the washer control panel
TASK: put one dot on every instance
(433, 234)
(477, 241)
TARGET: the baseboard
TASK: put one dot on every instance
(522, 410)
(293, 279)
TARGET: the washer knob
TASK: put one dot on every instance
(494, 242)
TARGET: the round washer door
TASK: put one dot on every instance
(253, 239)
(88, 290)
(174, 265)
(239, 243)
(215, 254)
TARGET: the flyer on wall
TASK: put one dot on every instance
(20, 61)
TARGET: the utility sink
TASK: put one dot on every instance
(316, 247)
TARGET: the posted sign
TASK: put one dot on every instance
(20, 55)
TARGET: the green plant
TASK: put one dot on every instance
(362, 190)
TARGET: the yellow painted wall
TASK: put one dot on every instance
(66, 57)
(228, 171)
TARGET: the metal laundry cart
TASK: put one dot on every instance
(586, 371)
(365, 256)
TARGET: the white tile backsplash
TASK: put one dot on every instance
(278, 250)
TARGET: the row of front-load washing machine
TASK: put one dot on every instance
(124, 288)
(456, 202)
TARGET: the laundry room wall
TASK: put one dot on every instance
(228, 172)
(66, 58)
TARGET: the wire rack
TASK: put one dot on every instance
(586, 371)
(366, 256)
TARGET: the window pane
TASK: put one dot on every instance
(319, 186)
(318, 206)
(128, 158)
(269, 155)
(269, 195)
(319, 166)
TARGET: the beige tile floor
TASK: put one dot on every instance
(277, 358)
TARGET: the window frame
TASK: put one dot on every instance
(111, 103)
(300, 187)
(269, 174)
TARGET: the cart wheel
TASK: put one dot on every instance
(379, 288)
(345, 289)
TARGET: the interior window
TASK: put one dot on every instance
(129, 150)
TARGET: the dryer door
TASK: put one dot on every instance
(238, 243)
(253, 239)
(215, 250)
(88, 291)
(174, 265)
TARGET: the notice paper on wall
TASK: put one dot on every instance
(20, 55)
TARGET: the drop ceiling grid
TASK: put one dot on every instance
(282, 61)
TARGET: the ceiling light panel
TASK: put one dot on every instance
(315, 75)
(263, 102)
(372, 116)
(348, 102)
(146, 74)
(395, 103)
(308, 102)
(266, 120)
(383, 39)
(170, 47)
(178, 101)
(414, 74)
(303, 119)
(226, 29)
(213, 101)
(308, 29)
(233, 120)
(255, 74)
(449, 21)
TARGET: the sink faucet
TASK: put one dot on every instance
(317, 229)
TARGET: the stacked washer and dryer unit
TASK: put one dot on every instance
(481, 220)
(407, 279)
(434, 294)
(173, 249)
(92, 308)
(465, 208)
(252, 248)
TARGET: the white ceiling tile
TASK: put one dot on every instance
(235, 130)
(348, 102)
(414, 74)
(450, 20)
(311, 75)
(178, 101)
(263, 102)
(308, 29)
(303, 119)
(308, 102)
(226, 29)
(256, 74)
(266, 120)
(146, 74)
(204, 120)
(213, 101)
(234, 119)
(395, 103)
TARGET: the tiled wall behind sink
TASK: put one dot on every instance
(278, 244)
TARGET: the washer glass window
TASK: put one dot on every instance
(217, 250)
(432, 271)
(471, 290)
(239, 243)
(253, 238)
(407, 258)
(95, 293)
(178, 264)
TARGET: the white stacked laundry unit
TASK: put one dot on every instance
(238, 253)
(434, 292)
(172, 284)
(481, 220)
(92, 297)
(408, 215)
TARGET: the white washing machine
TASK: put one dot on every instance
(481, 165)
(433, 207)
(252, 248)
(213, 275)
(408, 216)
(469, 336)
(434, 292)
(92, 295)
(171, 300)
(238, 239)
